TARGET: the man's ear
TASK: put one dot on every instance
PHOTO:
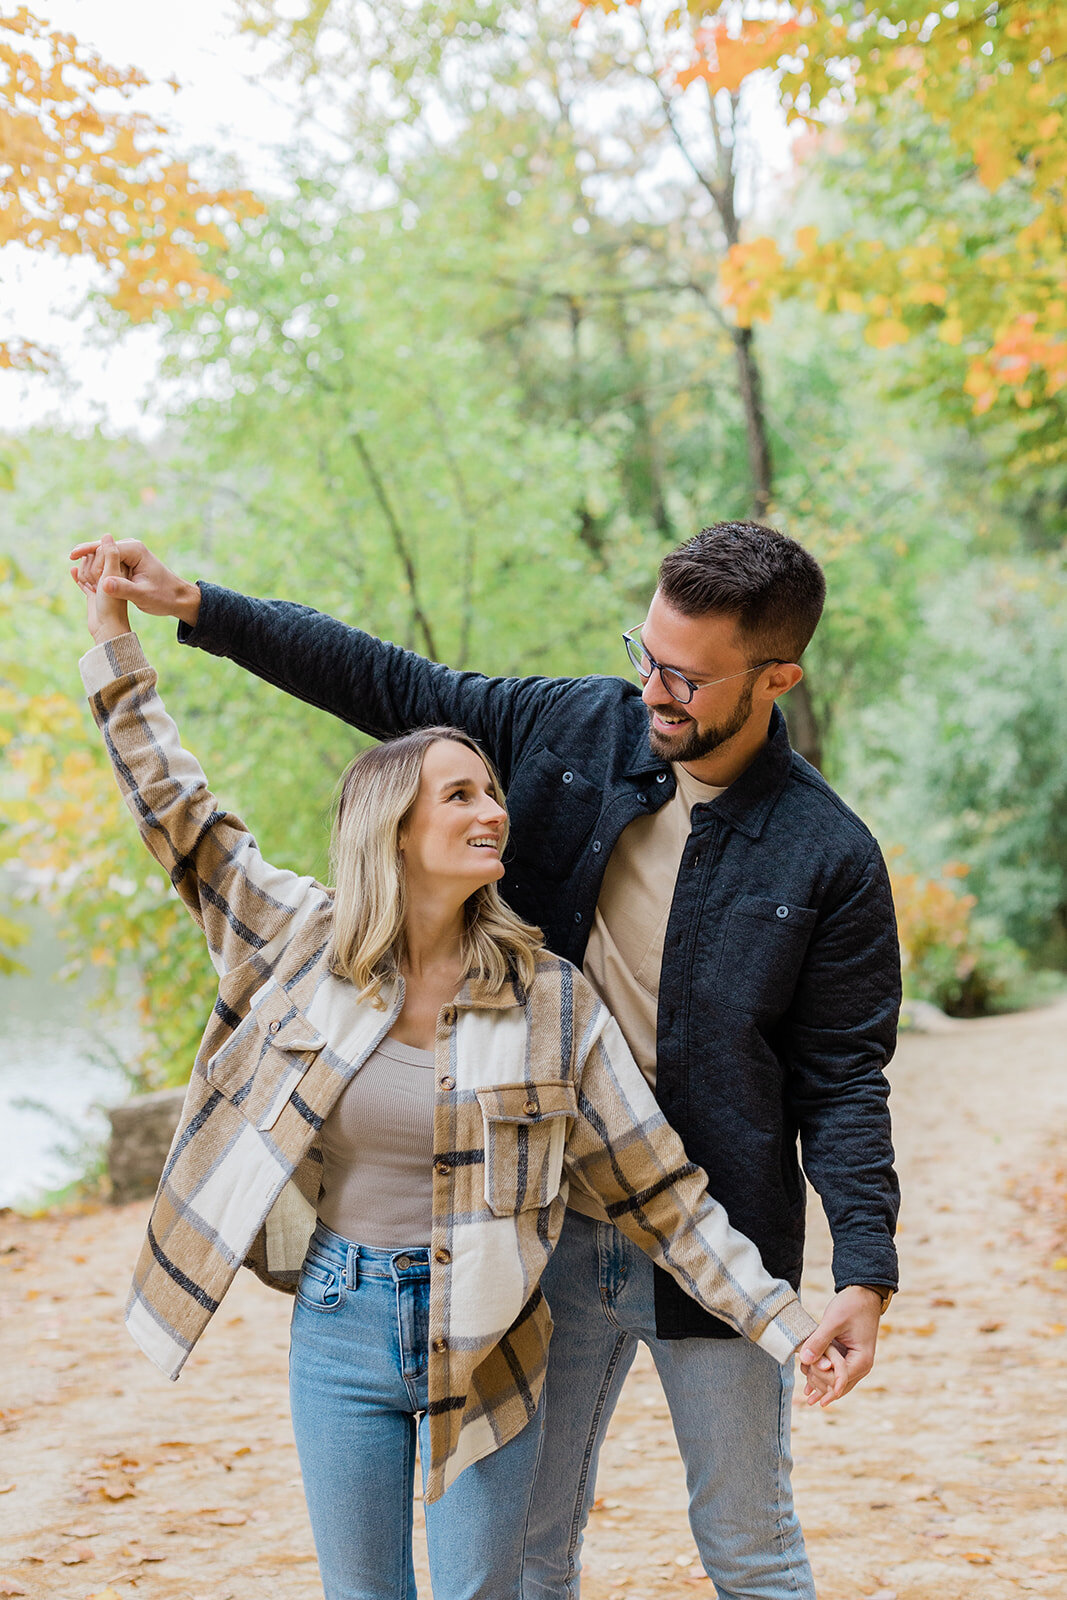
(781, 678)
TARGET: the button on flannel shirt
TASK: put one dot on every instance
(536, 1090)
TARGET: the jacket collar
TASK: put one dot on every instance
(751, 798)
(475, 995)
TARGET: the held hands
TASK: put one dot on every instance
(106, 614)
(142, 579)
(846, 1338)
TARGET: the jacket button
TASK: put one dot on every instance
(448, 1083)
(783, 911)
(448, 1016)
(442, 1167)
(568, 777)
(694, 858)
(643, 798)
(577, 916)
(440, 1346)
(443, 1256)
(597, 847)
(661, 777)
(275, 1027)
(530, 1107)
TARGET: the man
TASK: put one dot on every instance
(736, 917)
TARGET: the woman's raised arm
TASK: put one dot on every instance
(239, 900)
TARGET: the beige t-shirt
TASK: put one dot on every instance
(377, 1151)
(625, 949)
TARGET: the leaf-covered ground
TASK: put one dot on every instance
(941, 1478)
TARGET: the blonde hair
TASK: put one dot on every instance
(375, 797)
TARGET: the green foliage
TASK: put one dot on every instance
(973, 741)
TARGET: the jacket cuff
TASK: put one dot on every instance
(201, 630)
(786, 1331)
(115, 658)
(876, 1265)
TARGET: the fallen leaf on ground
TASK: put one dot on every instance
(6, 1488)
(84, 1530)
(990, 1327)
(228, 1519)
(118, 1488)
(77, 1554)
(977, 1558)
(104, 1594)
(9, 1586)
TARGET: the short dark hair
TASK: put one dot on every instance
(768, 583)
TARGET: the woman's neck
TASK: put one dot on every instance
(433, 934)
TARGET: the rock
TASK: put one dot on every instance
(920, 1016)
(141, 1134)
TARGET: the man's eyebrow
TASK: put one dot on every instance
(672, 666)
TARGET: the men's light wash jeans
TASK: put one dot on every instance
(357, 1383)
(729, 1402)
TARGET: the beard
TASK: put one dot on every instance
(692, 741)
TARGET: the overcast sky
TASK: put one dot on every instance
(228, 101)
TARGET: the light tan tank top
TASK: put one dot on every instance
(377, 1149)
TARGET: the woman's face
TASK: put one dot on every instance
(455, 829)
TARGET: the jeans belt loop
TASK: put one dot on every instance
(352, 1267)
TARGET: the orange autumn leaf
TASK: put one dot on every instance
(724, 59)
(79, 177)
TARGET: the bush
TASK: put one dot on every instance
(949, 956)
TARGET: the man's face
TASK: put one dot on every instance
(701, 648)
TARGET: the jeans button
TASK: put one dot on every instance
(402, 1263)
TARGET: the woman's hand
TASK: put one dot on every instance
(106, 615)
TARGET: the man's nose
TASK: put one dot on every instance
(655, 691)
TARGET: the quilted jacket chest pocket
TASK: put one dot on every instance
(525, 1127)
(265, 1058)
(764, 947)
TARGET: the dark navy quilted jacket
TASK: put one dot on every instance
(780, 983)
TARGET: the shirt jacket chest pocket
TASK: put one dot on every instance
(525, 1127)
(263, 1061)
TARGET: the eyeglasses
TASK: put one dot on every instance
(677, 685)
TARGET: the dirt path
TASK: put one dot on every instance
(940, 1479)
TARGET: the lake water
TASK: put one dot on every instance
(57, 1069)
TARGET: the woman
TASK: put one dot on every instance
(395, 1090)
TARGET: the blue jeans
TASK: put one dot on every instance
(729, 1402)
(357, 1384)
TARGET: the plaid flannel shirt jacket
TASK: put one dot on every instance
(535, 1091)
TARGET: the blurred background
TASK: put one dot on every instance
(451, 318)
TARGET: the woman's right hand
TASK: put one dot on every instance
(106, 615)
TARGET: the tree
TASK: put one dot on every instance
(80, 178)
(991, 77)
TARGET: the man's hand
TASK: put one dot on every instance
(850, 1324)
(106, 614)
(144, 581)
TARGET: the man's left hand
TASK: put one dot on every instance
(850, 1322)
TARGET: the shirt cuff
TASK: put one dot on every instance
(115, 658)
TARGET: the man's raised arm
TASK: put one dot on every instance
(376, 686)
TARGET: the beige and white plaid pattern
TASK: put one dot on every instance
(535, 1091)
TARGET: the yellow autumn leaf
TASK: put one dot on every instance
(888, 332)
